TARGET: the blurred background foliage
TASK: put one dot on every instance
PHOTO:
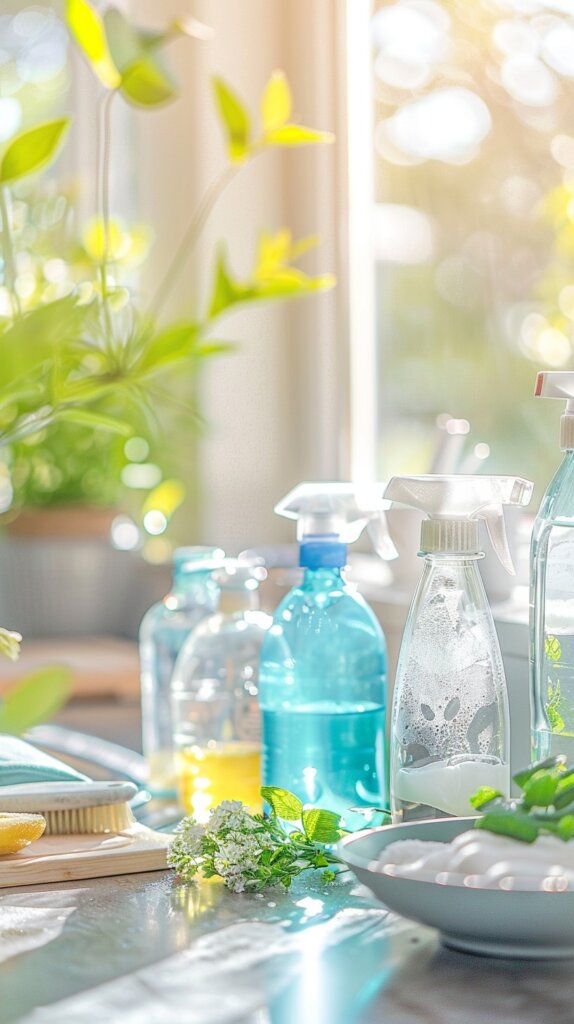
(96, 384)
(474, 222)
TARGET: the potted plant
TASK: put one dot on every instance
(87, 365)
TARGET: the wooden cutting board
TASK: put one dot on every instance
(65, 858)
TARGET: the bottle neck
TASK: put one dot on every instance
(234, 602)
(445, 558)
(451, 575)
(186, 581)
(323, 578)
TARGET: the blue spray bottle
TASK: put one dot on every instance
(323, 664)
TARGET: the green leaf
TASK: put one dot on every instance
(555, 720)
(35, 699)
(89, 418)
(552, 648)
(235, 120)
(217, 348)
(225, 291)
(296, 135)
(565, 827)
(288, 281)
(564, 794)
(539, 790)
(24, 394)
(169, 346)
(32, 150)
(146, 84)
(281, 282)
(87, 29)
(276, 102)
(483, 796)
(123, 40)
(144, 81)
(285, 804)
(321, 826)
(511, 824)
(522, 777)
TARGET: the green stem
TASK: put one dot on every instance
(190, 237)
(104, 208)
(9, 259)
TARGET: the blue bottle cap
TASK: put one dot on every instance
(323, 553)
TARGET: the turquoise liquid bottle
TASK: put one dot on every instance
(323, 668)
(552, 591)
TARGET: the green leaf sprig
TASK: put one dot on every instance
(251, 852)
(546, 806)
(34, 699)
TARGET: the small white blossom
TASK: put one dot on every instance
(10, 643)
(230, 814)
(187, 846)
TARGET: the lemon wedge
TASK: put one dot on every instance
(19, 830)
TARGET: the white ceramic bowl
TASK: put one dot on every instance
(492, 922)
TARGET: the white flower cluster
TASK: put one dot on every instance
(232, 815)
(187, 846)
(237, 857)
(231, 844)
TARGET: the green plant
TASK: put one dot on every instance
(251, 852)
(85, 368)
(546, 806)
(84, 364)
(36, 697)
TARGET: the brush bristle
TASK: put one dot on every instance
(88, 820)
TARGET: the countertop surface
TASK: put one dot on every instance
(145, 948)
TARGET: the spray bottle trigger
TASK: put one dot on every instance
(378, 531)
(494, 519)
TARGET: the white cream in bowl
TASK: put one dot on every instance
(480, 859)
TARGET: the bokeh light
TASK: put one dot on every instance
(448, 124)
(125, 534)
(155, 522)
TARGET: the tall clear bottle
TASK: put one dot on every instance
(214, 692)
(449, 723)
(552, 591)
(163, 630)
(323, 668)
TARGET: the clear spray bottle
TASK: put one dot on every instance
(449, 724)
(552, 590)
(323, 667)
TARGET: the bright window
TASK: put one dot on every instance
(470, 225)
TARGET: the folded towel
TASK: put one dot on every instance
(21, 762)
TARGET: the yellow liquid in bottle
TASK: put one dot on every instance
(226, 771)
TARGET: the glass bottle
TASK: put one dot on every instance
(214, 692)
(323, 693)
(449, 726)
(163, 630)
(552, 617)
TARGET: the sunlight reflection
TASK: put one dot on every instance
(447, 125)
